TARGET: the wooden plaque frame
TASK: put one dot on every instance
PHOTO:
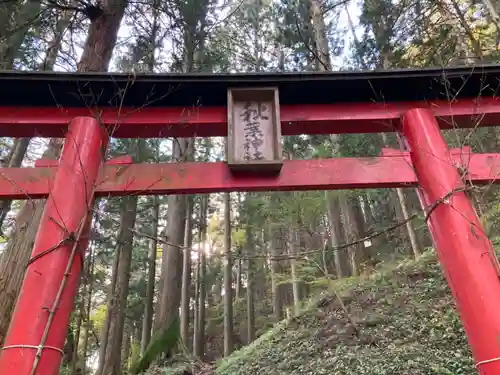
(260, 94)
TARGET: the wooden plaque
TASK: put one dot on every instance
(254, 130)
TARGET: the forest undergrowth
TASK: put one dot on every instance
(399, 320)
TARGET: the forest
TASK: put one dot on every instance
(311, 282)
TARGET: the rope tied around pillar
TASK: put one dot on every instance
(486, 361)
(39, 348)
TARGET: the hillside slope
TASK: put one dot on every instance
(406, 323)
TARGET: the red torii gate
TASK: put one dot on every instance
(86, 108)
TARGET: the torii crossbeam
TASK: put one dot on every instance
(87, 108)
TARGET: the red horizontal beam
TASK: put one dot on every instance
(150, 122)
(193, 178)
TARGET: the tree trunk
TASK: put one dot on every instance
(401, 200)
(239, 272)
(117, 304)
(292, 241)
(323, 63)
(28, 14)
(69, 347)
(215, 296)
(276, 272)
(17, 153)
(409, 226)
(126, 347)
(8, 10)
(112, 335)
(353, 233)
(250, 286)
(150, 288)
(228, 279)
(48, 64)
(169, 299)
(88, 307)
(340, 255)
(107, 322)
(457, 25)
(186, 272)
(4, 162)
(474, 42)
(81, 313)
(322, 58)
(20, 148)
(101, 37)
(199, 342)
(55, 44)
(495, 17)
(196, 300)
(367, 208)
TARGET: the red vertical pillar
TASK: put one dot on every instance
(35, 340)
(422, 199)
(465, 252)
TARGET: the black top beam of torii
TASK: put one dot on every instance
(18, 88)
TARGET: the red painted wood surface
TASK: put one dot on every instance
(121, 178)
(152, 122)
(35, 341)
(465, 252)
